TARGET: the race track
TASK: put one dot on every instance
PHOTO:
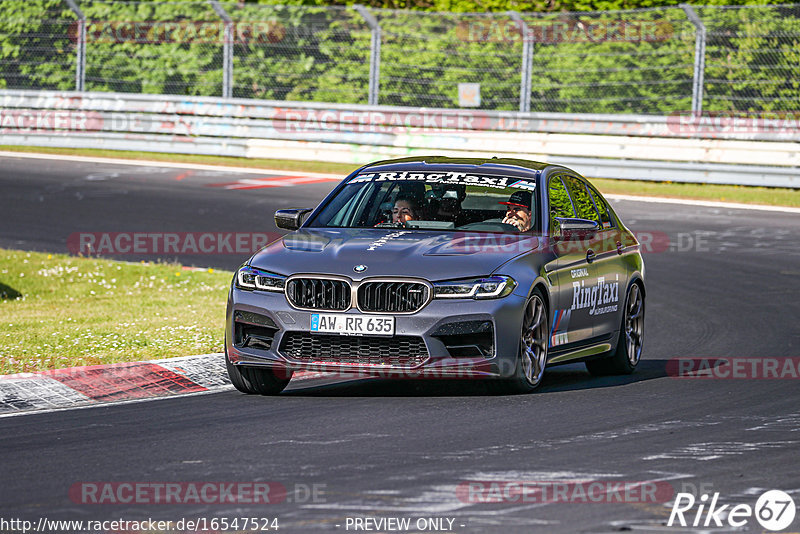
(377, 448)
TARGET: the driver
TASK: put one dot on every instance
(518, 210)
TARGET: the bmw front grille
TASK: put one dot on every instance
(372, 296)
(388, 296)
(319, 294)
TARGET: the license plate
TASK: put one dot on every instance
(352, 325)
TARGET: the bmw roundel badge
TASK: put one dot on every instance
(360, 268)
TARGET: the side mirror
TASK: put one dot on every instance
(291, 219)
(573, 228)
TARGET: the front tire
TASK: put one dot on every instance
(631, 337)
(256, 380)
(533, 344)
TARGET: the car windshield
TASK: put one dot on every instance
(432, 201)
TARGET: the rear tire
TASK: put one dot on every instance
(533, 345)
(626, 356)
(256, 380)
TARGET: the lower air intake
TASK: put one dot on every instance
(396, 351)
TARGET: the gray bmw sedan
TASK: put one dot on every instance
(444, 268)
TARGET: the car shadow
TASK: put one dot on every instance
(8, 292)
(561, 378)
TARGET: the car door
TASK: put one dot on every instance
(571, 320)
(610, 272)
(612, 260)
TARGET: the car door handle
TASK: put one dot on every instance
(590, 255)
(619, 248)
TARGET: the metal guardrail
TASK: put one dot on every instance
(603, 146)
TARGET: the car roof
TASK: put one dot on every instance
(512, 166)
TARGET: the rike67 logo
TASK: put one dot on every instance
(774, 510)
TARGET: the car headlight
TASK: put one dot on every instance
(489, 287)
(251, 278)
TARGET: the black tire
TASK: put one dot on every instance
(533, 345)
(257, 380)
(626, 356)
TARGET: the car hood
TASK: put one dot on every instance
(392, 252)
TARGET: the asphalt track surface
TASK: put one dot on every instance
(379, 448)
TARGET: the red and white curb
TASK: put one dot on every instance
(97, 384)
(117, 383)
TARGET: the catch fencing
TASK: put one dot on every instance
(645, 62)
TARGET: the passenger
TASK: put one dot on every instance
(518, 212)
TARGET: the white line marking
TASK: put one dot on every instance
(169, 164)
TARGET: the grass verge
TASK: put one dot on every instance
(768, 196)
(62, 311)
(725, 193)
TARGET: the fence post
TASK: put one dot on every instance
(80, 60)
(227, 50)
(374, 53)
(527, 62)
(699, 58)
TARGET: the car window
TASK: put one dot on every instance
(560, 204)
(602, 207)
(439, 200)
(582, 200)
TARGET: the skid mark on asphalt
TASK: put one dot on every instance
(787, 423)
(609, 435)
(716, 450)
(449, 499)
(273, 181)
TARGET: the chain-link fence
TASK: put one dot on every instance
(37, 45)
(152, 47)
(752, 58)
(650, 61)
(613, 62)
(299, 53)
(425, 56)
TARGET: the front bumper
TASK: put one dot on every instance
(463, 338)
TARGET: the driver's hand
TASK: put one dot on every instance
(513, 221)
